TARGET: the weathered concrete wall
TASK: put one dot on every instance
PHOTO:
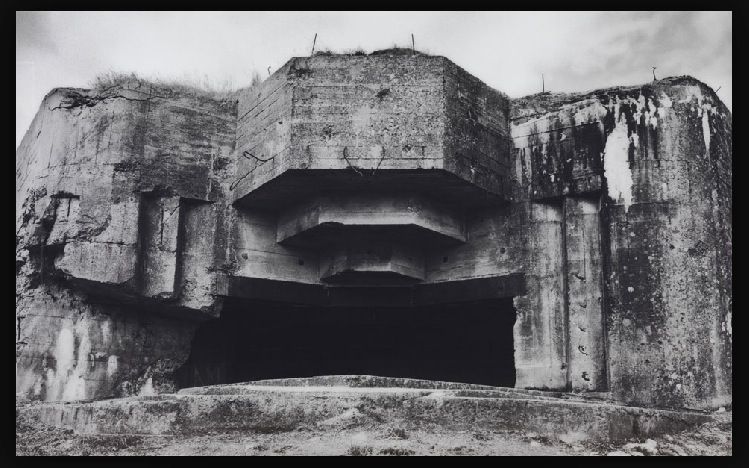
(105, 184)
(664, 244)
(70, 347)
(670, 334)
(263, 131)
(477, 131)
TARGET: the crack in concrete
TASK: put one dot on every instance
(72, 101)
(247, 153)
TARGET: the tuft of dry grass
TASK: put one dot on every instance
(199, 87)
(355, 51)
(359, 451)
(396, 433)
(397, 451)
(393, 50)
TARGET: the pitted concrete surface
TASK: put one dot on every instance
(275, 406)
(345, 383)
(362, 432)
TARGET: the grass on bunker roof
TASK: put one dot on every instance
(205, 87)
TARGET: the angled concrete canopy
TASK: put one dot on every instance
(412, 121)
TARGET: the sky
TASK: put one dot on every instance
(575, 51)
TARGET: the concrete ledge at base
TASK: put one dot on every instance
(369, 381)
(279, 409)
(341, 380)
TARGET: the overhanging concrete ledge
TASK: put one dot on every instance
(447, 292)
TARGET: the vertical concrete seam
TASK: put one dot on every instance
(604, 239)
(566, 295)
(140, 261)
(602, 385)
(179, 248)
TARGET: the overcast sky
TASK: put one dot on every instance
(576, 51)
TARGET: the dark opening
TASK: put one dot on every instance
(468, 342)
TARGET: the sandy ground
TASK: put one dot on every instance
(354, 434)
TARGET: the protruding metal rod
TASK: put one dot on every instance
(413, 43)
(654, 78)
(543, 84)
(313, 46)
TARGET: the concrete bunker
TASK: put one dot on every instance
(470, 342)
(604, 216)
